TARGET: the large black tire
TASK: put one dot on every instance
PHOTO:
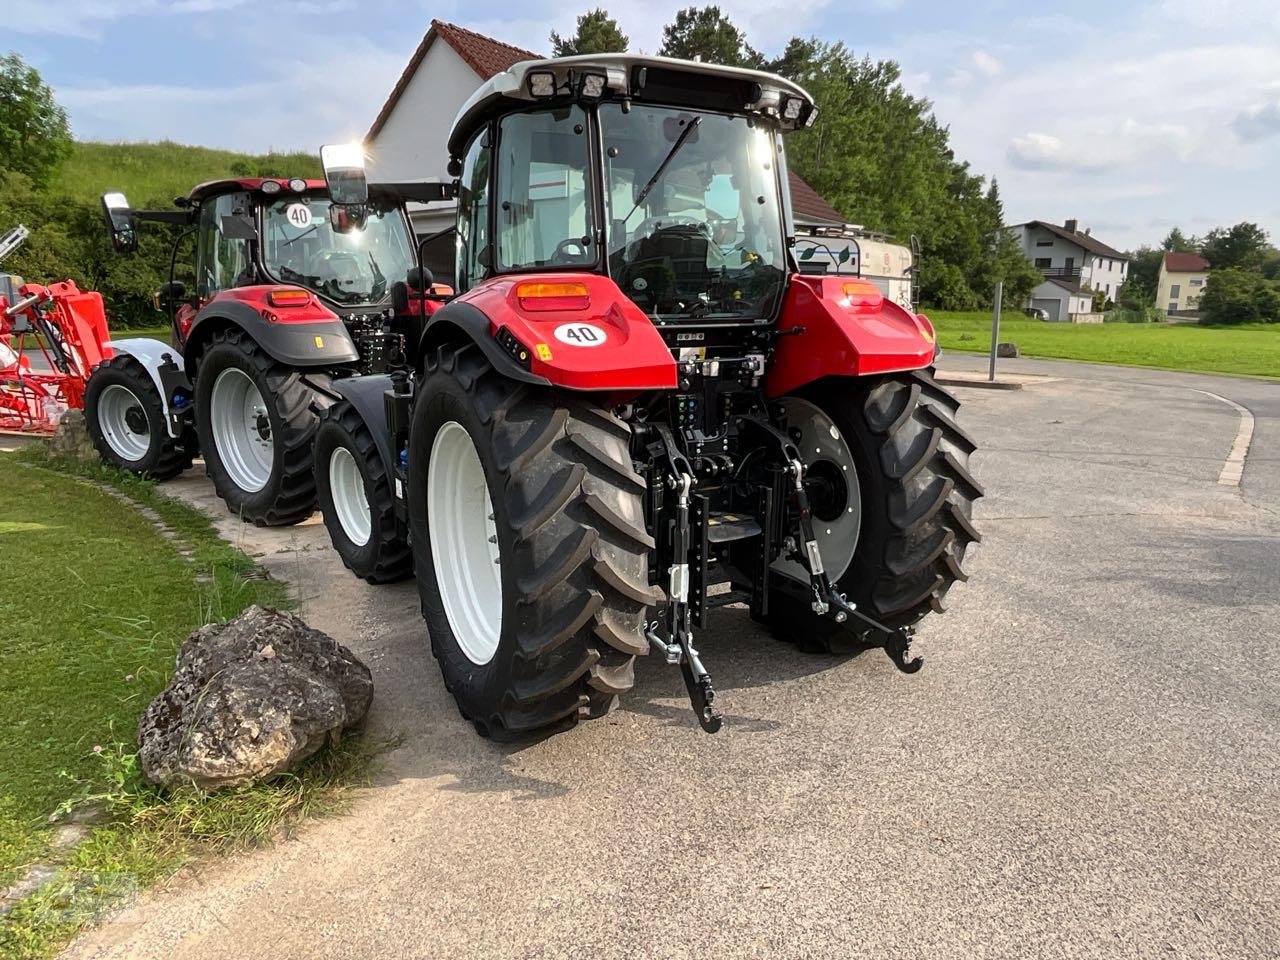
(574, 552)
(917, 506)
(164, 457)
(293, 410)
(384, 556)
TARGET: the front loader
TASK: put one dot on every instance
(637, 409)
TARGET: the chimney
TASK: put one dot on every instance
(1088, 231)
(1071, 226)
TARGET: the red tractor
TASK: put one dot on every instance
(289, 294)
(638, 409)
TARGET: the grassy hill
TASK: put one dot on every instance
(151, 172)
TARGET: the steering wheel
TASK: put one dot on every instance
(563, 255)
(651, 225)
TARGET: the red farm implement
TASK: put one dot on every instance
(50, 339)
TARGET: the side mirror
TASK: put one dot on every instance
(170, 292)
(420, 278)
(124, 237)
(344, 173)
(346, 219)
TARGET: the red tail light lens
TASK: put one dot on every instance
(289, 297)
(548, 295)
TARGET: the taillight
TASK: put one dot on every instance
(288, 297)
(553, 295)
(860, 288)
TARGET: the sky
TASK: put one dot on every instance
(1131, 116)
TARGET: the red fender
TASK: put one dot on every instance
(850, 329)
(579, 330)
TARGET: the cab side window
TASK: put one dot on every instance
(474, 257)
(223, 257)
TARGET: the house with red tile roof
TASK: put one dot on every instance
(407, 140)
(1183, 277)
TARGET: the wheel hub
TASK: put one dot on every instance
(464, 543)
(135, 419)
(831, 481)
(241, 430)
(123, 422)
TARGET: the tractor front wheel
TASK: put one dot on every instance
(356, 500)
(126, 421)
(256, 420)
(887, 470)
(529, 546)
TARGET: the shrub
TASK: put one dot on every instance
(1240, 296)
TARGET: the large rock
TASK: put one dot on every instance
(250, 699)
(1007, 350)
(71, 438)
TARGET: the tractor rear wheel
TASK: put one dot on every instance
(892, 496)
(256, 420)
(356, 500)
(529, 545)
(126, 421)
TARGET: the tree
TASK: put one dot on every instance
(1239, 296)
(1139, 289)
(35, 136)
(707, 34)
(1244, 246)
(879, 156)
(1178, 242)
(597, 33)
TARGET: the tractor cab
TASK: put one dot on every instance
(252, 232)
(666, 176)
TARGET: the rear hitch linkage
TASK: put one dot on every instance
(678, 647)
(827, 601)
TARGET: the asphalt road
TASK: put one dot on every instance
(1086, 767)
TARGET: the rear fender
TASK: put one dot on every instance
(849, 329)
(308, 335)
(599, 342)
(365, 394)
(161, 362)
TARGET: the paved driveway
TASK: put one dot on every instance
(1087, 765)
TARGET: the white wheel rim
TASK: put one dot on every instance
(822, 442)
(346, 485)
(241, 430)
(464, 543)
(115, 404)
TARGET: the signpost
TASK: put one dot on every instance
(995, 331)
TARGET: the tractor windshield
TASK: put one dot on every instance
(299, 246)
(694, 223)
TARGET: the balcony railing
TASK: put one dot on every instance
(1061, 273)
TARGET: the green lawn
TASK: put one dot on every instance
(95, 603)
(1251, 349)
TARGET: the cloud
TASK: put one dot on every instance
(986, 64)
(1258, 122)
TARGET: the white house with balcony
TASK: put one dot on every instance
(1075, 265)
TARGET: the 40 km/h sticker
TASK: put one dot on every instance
(581, 335)
(298, 214)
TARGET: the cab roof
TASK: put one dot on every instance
(213, 188)
(665, 80)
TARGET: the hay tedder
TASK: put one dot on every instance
(638, 409)
(51, 338)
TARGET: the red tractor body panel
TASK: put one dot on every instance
(850, 329)
(580, 330)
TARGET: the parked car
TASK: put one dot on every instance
(1035, 313)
